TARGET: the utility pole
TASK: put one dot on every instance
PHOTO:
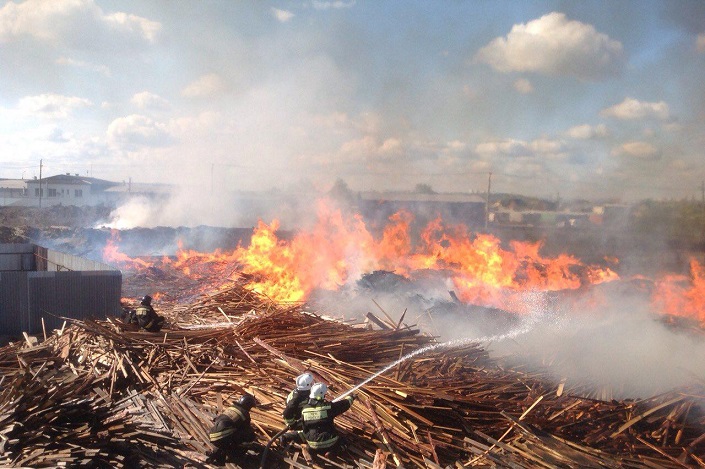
(487, 203)
(40, 183)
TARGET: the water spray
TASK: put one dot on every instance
(449, 344)
(541, 307)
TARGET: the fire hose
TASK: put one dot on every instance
(271, 440)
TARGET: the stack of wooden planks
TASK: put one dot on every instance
(99, 394)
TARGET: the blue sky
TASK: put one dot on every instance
(583, 99)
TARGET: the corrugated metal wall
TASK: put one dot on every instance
(61, 261)
(27, 296)
(78, 295)
(17, 257)
(14, 311)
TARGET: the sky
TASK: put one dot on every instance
(589, 99)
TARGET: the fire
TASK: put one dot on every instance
(340, 248)
(197, 264)
(112, 254)
(679, 295)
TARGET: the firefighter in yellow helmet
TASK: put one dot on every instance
(232, 429)
(317, 419)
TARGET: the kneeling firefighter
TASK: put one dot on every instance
(317, 420)
(295, 402)
(145, 316)
(232, 429)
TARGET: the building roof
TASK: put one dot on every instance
(75, 179)
(13, 183)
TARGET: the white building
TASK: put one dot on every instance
(13, 191)
(63, 189)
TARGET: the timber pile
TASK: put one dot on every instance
(97, 394)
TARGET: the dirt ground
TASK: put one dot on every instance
(71, 216)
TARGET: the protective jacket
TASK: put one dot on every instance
(148, 319)
(295, 402)
(318, 428)
(231, 428)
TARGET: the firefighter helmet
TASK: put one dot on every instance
(247, 401)
(304, 382)
(146, 300)
(318, 391)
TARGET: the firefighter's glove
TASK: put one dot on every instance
(217, 457)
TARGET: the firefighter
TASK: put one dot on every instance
(297, 398)
(231, 431)
(317, 420)
(295, 401)
(145, 316)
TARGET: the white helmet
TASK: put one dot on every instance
(304, 382)
(318, 391)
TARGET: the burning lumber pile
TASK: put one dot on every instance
(98, 394)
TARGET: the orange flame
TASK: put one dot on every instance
(339, 249)
(679, 295)
(112, 254)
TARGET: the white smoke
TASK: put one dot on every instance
(616, 348)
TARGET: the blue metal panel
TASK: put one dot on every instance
(78, 295)
(13, 303)
(41, 288)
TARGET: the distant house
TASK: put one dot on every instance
(63, 189)
(13, 192)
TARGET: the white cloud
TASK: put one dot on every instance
(508, 147)
(547, 147)
(52, 105)
(391, 146)
(554, 45)
(641, 150)
(369, 147)
(70, 21)
(282, 15)
(700, 42)
(541, 147)
(456, 146)
(206, 85)
(587, 131)
(136, 130)
(147, 100)
(102, 69)
(631, 109)
(326, 5)
(134, 25)
(523, 86)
